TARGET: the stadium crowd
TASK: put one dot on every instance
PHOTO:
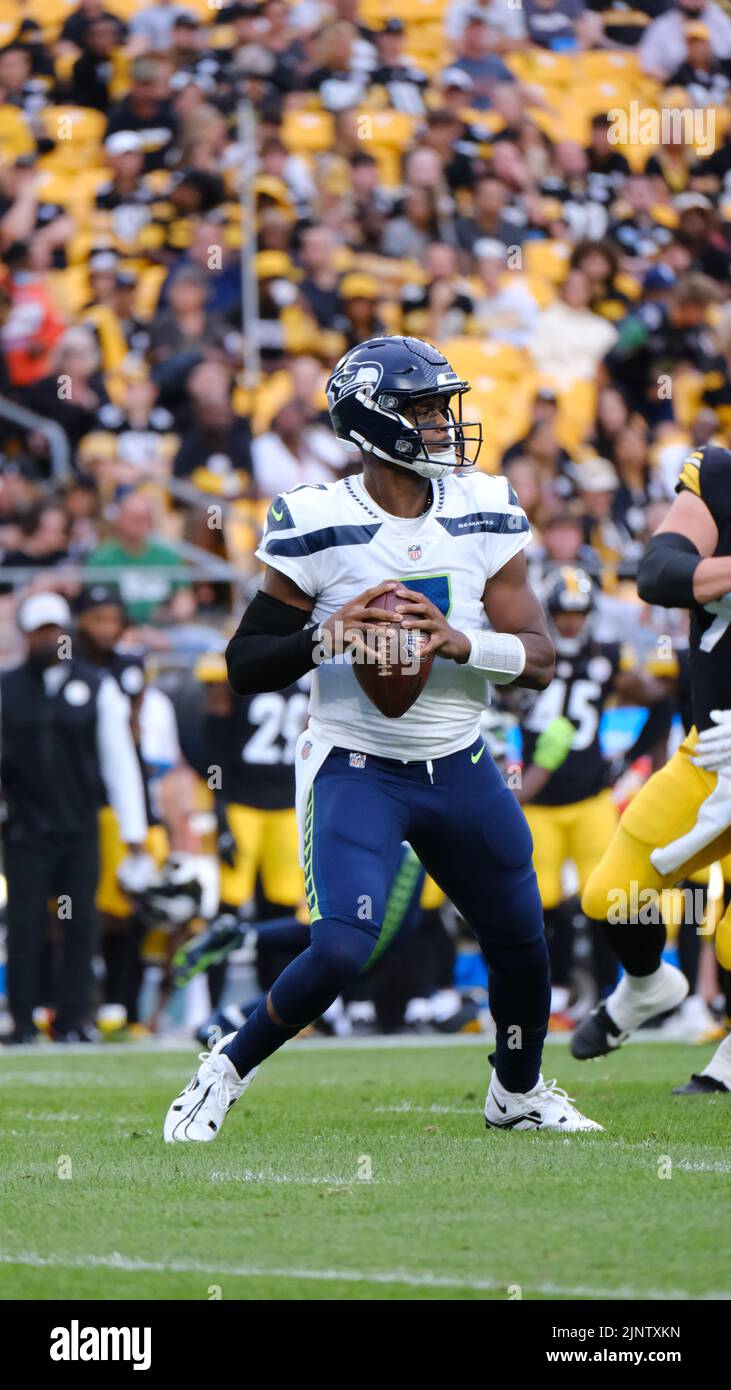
(452, 169)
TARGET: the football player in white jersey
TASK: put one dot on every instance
(421, 522)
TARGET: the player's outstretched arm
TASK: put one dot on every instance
(678, 566)
(512, 606)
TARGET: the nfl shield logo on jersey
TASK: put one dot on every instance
(414, 552)
(357, 760)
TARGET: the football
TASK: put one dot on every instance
(396, 679)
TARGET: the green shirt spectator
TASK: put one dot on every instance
(133, 548)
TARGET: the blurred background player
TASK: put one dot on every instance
(681, 819)
(574, 815)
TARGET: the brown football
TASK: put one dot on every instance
(399, 676)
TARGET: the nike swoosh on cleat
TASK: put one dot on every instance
(475, 757)
(504, 1108)
(277, 515)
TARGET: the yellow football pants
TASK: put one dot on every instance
(266, 847)
(112, 851)
(664, 809)
(579, 832)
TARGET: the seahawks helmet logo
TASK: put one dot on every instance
(366, 376)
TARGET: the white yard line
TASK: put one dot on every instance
(32, 1260)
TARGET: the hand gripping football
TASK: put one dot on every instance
(397, 673)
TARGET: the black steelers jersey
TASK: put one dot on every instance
(579, 691)
(707, 474)
(128, 669)
(254, 747)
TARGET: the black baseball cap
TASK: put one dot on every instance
(98, 596)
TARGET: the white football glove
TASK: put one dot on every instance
(136, 873)
(714, 816)
(713, 634)
(713, 749)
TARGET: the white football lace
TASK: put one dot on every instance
(224, 1091)
(555, 1092)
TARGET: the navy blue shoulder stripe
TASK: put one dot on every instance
(279, 517)
(483, 521)
(326, 539)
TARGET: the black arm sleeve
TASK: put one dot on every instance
(271, 647)
(665, 574)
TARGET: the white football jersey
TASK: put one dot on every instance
(334, 542)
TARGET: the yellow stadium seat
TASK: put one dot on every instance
(412, 12)
(549, 259)
(127, 9)
(70, 289)
(543, 291)
(576, 414)
(308, 130)
(15, 136)
(390, 129)
(603, 65)
(77, 133)
(10, 17)
(50, 14)
(149, 284)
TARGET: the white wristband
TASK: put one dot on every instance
(500, 655)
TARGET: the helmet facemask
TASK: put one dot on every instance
(410, 449)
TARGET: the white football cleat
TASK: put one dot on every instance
(546, 1106)
(196, 1115)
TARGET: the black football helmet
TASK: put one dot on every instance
(369, 395)
(569, 590)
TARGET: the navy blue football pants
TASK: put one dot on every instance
(471, 835)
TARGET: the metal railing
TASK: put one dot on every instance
(55, 434)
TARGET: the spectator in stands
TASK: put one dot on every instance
(655, 339)
(491, 216)
(705, 76)
(74, 390)
(216, 440)
(43, 542)
(336, 79)
(507, 21)
(75, 28)
(569, 340)
(319, 285)
(404, 84)
(15, 70)
(359, 319)
(33, 325)
(442, 306)
(564, 544)
(133, 548)
(147, 111)
(295, 450)
(478, 51)
(186, 323)
(664, 44)
(699, 233)
(92, 72)
(411, 232)
(505, 310)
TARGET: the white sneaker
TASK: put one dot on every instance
(546, 1106)
(196, 1115)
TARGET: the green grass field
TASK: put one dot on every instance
(360, 1174)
